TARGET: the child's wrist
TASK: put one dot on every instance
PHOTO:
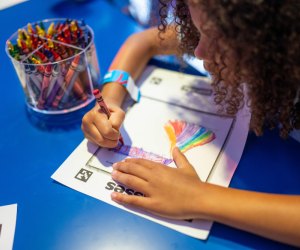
(112, 101)
(125, 80)
(204, 204)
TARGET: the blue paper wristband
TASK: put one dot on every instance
(125, 80)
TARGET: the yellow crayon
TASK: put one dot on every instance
(51, 30)
(40, 31)
(50, 43)
(30, 29)
(10, 46)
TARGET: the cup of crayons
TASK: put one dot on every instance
(56, 63)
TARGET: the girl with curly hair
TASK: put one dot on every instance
(252, 42)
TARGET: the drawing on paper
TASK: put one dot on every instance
(187, 135)
(180, 133)
(135, 152)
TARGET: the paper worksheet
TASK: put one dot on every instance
(8, 216)
(175, 108)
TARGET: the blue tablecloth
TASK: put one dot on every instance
(52, 216)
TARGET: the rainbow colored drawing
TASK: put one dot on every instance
(136, 152)
(187, 135)
(184, 135)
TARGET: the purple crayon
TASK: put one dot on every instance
(60, 75)
(45, 86)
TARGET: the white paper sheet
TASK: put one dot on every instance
(166, 95)
(8, 216)
(9, 3)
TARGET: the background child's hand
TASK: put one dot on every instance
(100, 130)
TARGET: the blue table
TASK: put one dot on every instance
(52, 216)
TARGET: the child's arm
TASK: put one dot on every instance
(178, 193)
(132, 57)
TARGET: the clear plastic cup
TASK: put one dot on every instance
(57, 65)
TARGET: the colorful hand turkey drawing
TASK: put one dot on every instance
(182, 134)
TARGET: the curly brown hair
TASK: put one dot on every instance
(264, 37)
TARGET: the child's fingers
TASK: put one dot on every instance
(179, 158)
(132, 200)
(132, 168)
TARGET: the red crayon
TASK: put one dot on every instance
(56, 56)
(41, 56)
(61, 50)
(24, 47)
(67, 35)
(104, 108)
(45, 86)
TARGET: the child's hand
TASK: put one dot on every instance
(101, 130)
(169, 192)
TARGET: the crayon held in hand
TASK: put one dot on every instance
(104, 108)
